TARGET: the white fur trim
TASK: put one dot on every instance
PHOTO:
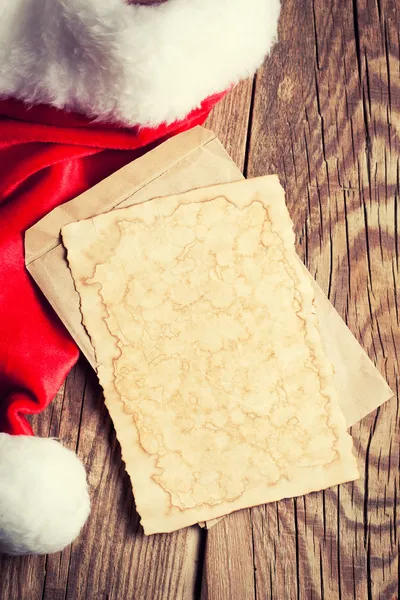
(131, 64)
(44, 499)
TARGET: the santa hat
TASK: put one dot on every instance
(85, 87)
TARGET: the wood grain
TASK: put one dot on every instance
(230, 120)
(326, 117)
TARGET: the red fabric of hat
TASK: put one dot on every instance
(48, 157)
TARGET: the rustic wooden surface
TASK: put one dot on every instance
(324, 113)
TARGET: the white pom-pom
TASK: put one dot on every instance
(44, 500)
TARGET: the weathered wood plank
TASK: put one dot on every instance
(230, 120)
(327, 119)
(228, 570)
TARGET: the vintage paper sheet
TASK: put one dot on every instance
(191, 159)
(207, 345)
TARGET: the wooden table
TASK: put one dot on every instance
(324, 113)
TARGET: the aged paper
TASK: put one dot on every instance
(205, 335)
(189, 160)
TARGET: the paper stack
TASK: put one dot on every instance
(205, 333)
(211, 427)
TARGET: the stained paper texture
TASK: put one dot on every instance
(189, 160)
(207, 342)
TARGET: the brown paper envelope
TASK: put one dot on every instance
(189, 160)
(192, 159)
(169, 239)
